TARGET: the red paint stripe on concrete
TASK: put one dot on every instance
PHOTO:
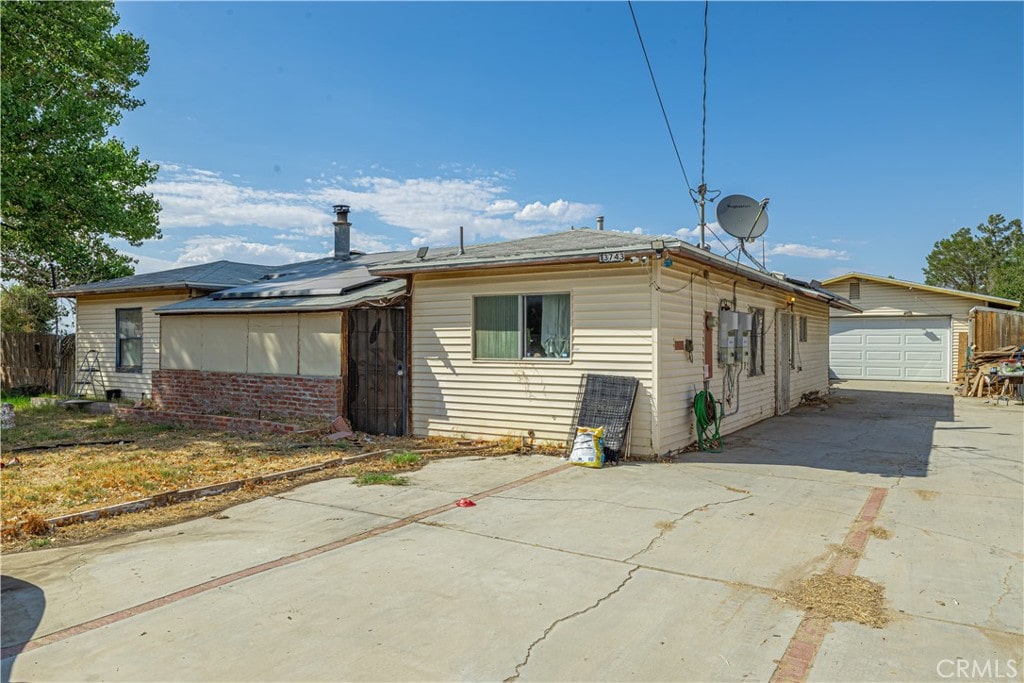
(796, 663)
(151, 605)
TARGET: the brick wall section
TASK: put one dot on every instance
(251, 396)
(223, 423)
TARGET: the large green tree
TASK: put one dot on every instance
(69, 185)
(986, 260)
(26, 308)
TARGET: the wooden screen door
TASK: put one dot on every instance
(377, 376)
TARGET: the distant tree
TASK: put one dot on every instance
(68, 185)
(1008, 277)
(26, 308)
(988, 262)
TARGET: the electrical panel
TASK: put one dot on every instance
(734, 337)
(728, 333)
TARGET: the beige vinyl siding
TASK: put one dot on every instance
(455, 395)
(307, 344)
(811, 372)
(880, 299)
(97, 329)
(752, 398)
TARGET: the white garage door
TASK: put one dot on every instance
(909, 349)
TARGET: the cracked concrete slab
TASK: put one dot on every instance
(649, 630)
(653, 571)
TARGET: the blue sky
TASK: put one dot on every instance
(874, 128)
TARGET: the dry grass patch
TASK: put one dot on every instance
(840, 598)
(880, 532)
(150, 460)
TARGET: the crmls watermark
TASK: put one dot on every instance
(977, 668)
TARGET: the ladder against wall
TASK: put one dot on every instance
(89, 378)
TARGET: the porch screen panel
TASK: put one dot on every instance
(495, 326)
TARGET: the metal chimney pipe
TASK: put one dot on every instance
(462, 243)
(600, 222)
(342, 233)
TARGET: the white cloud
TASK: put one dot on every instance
(501, 206)
(194, 197)
(433, 209)
(207, 248)
(430, 209)
(804, 251)
(557, 210)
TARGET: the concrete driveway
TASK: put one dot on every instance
(667, 572)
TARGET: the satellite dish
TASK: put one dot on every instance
(742, 216)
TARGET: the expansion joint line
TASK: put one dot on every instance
(554, 624)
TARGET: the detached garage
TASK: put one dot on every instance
(907, 331)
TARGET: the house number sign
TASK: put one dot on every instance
(611, 257)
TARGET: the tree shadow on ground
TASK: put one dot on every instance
(21, 609)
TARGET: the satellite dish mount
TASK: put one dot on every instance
(744, 218)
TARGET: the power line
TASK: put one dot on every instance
(657, 92)
(704, 99)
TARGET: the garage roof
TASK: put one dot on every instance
(999, 301)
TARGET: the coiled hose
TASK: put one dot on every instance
(709, 417)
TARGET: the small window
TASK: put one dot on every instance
(129, 339)
(854, 290)
(756, 342)
(803, 328)
(521, 326)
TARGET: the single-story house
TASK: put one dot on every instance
(906, 331)
(502, 333)
(493, 340)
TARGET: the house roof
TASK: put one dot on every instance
(207, 276)
(585, 245)
(927, 288)
(386, 289)
(321, 285)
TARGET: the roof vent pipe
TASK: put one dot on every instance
(342, 233)
(462, 244)
(600, 222)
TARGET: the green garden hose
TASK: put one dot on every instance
(709, 417)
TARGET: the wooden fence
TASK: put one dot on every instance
(993, 328)
(31, 359)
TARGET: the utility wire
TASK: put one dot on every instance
(704, 99)
(657, 92)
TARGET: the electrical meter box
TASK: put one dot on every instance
(743, 338)
(728, 332)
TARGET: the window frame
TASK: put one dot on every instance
(522, 343)
(757, 342)
(802, 325)
(119, 365)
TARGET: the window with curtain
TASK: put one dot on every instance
(129, 339)
(521, 326)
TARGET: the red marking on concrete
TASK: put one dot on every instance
(113, 618)
(796, 663)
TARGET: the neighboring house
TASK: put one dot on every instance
(906, 331)
(492, 340)
(502, 334)
(115, 319)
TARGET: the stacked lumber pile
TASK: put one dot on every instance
(994, 374)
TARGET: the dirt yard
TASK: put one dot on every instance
(58, 462)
